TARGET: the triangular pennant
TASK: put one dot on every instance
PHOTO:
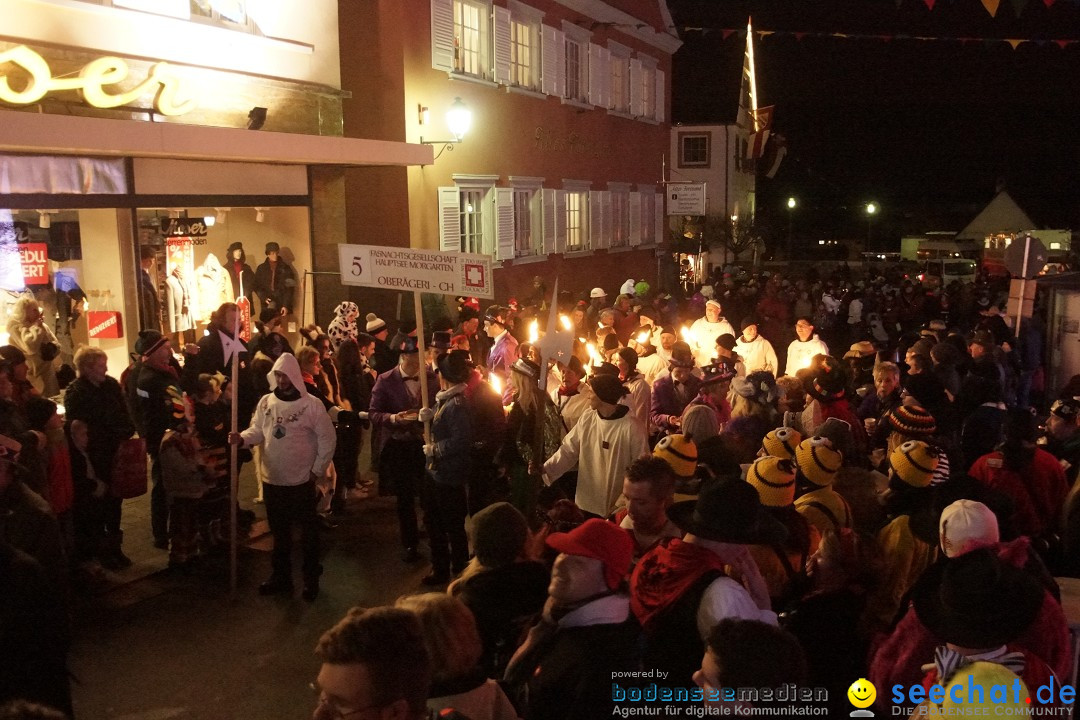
(800, 35)
(930, 3)
(839, 35)
(1064, 43)
(765, 33)
(991, 6)
(1018, 6)
(1015, 42)
(726, 33)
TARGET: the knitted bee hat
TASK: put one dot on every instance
(679, 452)
(911, 420)
(818, 461)
(914, 463)
(782, 442)
(774, 480)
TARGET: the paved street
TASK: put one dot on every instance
(177, 646)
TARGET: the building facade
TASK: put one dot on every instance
(180, 129)
(560, 174)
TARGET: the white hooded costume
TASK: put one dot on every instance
(297, 436)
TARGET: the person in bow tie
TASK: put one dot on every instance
(503, 350)
(395, 408)
(672, 393)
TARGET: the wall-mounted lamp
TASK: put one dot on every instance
(260, 214)
(458, 121)
(256, 118)
(221, 214)
(209, 221)
(45, 218)
(425, 114)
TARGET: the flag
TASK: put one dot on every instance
(779, 150)
(763, 118)
(756, 147)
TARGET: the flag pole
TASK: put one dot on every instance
(420, 348)
(233, 453)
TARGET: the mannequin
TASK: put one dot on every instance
(214, 285)
(240, 272)
(275, 281)
(178, 304)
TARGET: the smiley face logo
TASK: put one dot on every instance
(862, 693)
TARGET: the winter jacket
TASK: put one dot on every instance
(341, 328)
(104, 411)
(666, 404)
(162, 404)
(1037, 492)
(275, 284)
(799, 353)
(450, 462)
(758, 354)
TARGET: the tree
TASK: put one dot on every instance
(737, 236)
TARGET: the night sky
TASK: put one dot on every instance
(927, 129)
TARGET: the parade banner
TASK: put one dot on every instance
(431, 271)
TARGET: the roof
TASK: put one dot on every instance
(1001, 215)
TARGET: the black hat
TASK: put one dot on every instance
(440, 340)
(574, 365)
(681, 355)
(629, 356)
(826, 379)
(467, 313)
(454, 366)
(268, 314)
(272, 247)
(12, 354)
(976, 600)
(38, 411)
(527, 368)
(611, 342)
(149, 341)
(747, 322)
(1066, 408)
(494, 314)
(717, 371)
(608, 388)
(605, 368)
(235, 246)
(728, 511)
(727, 340)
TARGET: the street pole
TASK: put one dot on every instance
(1023, 284)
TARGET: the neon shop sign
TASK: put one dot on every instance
(91, 83)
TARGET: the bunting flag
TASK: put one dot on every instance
(756, 147)
(1062, 43)
(991, 6)
(763, 118)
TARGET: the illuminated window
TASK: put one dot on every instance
(471, 37)
(527, 237)
(1055, 246)
(576, 58)
(620, 216)
(620, 77)
(648, 91)
(576, 220)
(471, 214)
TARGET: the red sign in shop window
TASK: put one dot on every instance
(35, 263)
(105, 324)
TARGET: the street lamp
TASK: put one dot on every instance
(458, 121)
(871, 211)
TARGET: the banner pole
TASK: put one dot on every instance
(234, 475)
(421, 348)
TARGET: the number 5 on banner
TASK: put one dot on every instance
(356, 267)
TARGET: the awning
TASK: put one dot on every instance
(27, 132)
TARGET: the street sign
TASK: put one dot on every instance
(431, 271)
(1036, 256)
(686, 198)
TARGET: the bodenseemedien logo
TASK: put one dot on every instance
(862, 694)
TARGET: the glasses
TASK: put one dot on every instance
(336, 712)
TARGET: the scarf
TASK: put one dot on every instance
(947, 662)
(665, 573)
(569, 390)
(287, 396)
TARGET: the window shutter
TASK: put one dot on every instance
(659, 218)
(605, 205)
(504, 223)
(599, 67)
(501, 37)
(596, 220)
(560, 221)
(553, 49)
(442, 35)
(635, 218)
(636, 95)
(449, 219)
(547, 214)
(648, 211)
(661, 100)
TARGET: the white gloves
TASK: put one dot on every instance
(426, 414)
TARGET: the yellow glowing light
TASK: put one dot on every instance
(534, 331)
(643, 338)
(566, 323)
(688, 336)
(594, 358)
(496, 383)
(91, 82)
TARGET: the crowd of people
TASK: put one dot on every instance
(852, 484)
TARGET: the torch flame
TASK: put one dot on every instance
(594, 358)
(534, 331)
(642, 338)
(496, 383)
(566, 323)
(688, 336)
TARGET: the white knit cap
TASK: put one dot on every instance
(967, 525)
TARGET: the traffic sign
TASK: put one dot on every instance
(431, 271)
(1035, 252)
